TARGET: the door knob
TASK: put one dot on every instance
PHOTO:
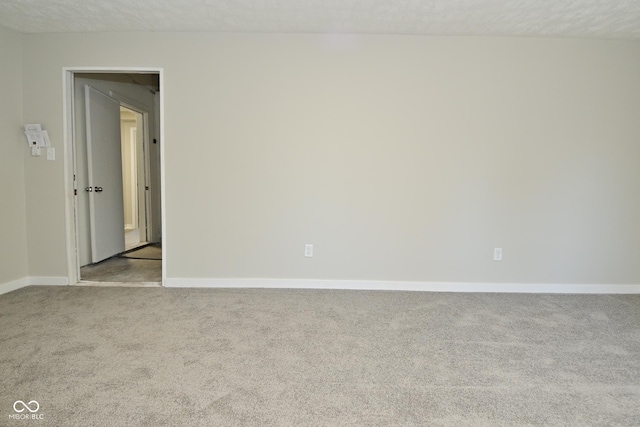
(98, 189)
(89, 189)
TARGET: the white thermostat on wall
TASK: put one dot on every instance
(36, 137)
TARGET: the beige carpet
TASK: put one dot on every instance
(197, 357)
(149, 252)
(141, 265)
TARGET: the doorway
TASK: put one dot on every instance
(117, 176)
(134, 178)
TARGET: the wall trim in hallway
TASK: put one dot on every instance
(403, 286)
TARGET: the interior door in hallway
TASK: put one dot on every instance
(104, 162)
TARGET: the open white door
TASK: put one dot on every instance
(104, 160)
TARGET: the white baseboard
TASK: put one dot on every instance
(402, 286)
(357, 285)
(13, 285)
(48, 281)
(37, 280)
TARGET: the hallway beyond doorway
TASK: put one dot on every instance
(143, 265)
(132, 239)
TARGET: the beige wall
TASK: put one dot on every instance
(13, 149)
(398, 157)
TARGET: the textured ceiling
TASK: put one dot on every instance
(618, 19)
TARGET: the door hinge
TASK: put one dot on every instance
(75, 191)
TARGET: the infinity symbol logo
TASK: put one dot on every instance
(19, 403)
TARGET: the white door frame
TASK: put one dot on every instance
(73, 263)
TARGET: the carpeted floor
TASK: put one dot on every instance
(142, 265)
(149, 252)
(205, 357)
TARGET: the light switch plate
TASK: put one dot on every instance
(51, 153)
(308, 251)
